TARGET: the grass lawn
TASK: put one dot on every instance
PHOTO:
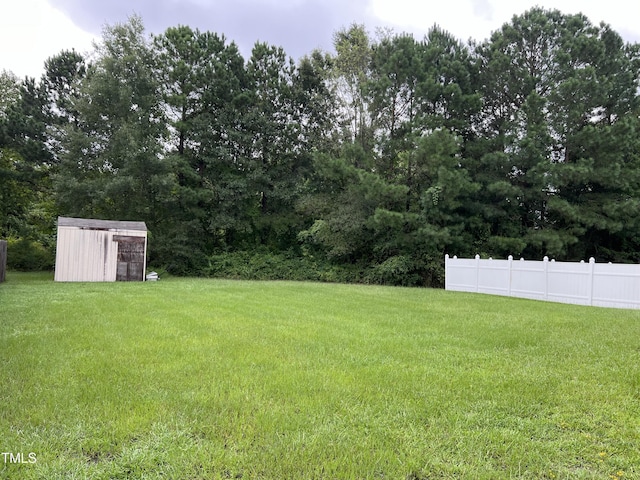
(208, 379)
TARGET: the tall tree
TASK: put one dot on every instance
(548, 79)
(396, 73)
(111, 160)
(64, 73)
(352, 69)
(203, 84)
(26, 160)
(280, 121)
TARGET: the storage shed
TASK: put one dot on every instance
(100, 250)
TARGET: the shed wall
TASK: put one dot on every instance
(88, 255)
(3, 259)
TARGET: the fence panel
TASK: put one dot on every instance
(528, 280)
(493, 278)
(569, 282)
(616, 285)
(463, 277)
(605, 285)
(3, 260)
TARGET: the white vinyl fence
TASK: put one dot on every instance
(597, 284)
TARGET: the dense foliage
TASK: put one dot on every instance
(368, 163)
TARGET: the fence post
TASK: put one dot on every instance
(446, 271)
(545, 264)
(592, 262)
(510, 258)
(477, 273)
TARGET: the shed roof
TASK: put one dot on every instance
(93, 224)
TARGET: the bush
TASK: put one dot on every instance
(398, 270)
(408, 271)
(279, 266)
(28, 256)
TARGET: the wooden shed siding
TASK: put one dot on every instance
(89, 255)
(3, 260)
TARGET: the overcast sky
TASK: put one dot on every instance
(33, 30)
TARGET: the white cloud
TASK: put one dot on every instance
(478, 18)
(460, 17)
(32, 31)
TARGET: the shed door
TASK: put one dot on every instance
(130, 258)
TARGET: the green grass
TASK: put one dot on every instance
(207, 379)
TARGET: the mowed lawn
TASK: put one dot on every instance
(208, 379)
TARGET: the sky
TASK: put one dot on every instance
(33, 30)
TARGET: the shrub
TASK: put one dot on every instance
(397, 270)
(263, 265)
(28, 256)
(408, 271)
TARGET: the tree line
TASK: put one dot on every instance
(367, 163)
